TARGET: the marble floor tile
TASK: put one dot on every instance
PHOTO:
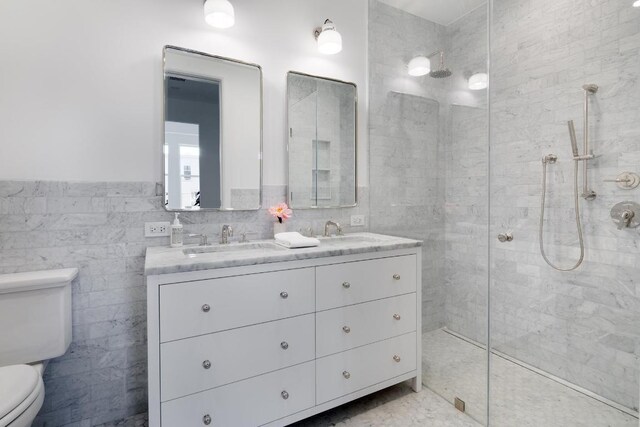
(396, 406)
(453, 367)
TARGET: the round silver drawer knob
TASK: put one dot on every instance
(206, 364)
(206, 419)
(284, 345)
(284, 394)
(346, 374)
(346, 329)
(346, 285)
(396, 277)
(396, 316)
(206, 308)
(284, 295)
(396, 358)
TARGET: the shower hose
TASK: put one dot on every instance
(577, 209)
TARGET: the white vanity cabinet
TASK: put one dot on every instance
(274, 343)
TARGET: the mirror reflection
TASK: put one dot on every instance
(322, 142)
(212, 132)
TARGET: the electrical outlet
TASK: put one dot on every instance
(357, 220)
(156, 229)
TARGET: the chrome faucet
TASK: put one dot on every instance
(227, 232)
(329, 224)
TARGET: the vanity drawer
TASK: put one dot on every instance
(353, 370)
(356, 325)
(205, 306)
(338, 285)
(234, 355)
(247, 403)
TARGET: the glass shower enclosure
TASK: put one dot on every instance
(458, 162)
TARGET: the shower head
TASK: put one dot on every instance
(591, 88)
(442, 72)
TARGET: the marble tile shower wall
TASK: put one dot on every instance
(581, 326)
(99, 228)
(405, 117)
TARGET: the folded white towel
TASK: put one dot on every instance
(294, 240)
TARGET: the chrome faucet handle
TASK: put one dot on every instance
(227, 231)
(626, 180)
(329, 224)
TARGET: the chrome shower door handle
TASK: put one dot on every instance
(505, 237)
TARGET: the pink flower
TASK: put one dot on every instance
(281, 212)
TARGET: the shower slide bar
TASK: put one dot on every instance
(587, 194)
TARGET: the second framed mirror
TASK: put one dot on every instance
(322, 140)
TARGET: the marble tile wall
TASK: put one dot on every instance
(99, 228)
(405, 157)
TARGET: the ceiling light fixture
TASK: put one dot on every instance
(636, 3)
(419, 66)
(219, 13)
(329, 40)
(479, 81)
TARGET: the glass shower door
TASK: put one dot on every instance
(565, 345)
(428, 160)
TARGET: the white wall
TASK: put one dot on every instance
(81, 81)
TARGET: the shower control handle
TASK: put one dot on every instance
(505, 237)
(625, 219)
(626, 215)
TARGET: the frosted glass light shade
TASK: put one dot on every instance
(478, 81)
(419, 66)
(219, 13)
(636, 3)
(329, 40)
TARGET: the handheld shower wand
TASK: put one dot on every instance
(574, 140)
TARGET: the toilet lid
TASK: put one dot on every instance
(17, 382)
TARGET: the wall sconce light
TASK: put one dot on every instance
(419, 66)
(636, 3)
(219, 13)
(329, 40)
(478, 81)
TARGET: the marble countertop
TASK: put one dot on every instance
(164, 260)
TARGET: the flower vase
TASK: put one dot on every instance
(279, 227)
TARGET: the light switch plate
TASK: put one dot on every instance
(157, 229)
(357, 220)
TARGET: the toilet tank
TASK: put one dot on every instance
(35, 315)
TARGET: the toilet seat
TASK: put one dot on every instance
(21, 394)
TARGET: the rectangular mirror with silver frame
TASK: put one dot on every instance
(212, 149)
(322, 123)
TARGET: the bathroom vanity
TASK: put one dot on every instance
(254, 334)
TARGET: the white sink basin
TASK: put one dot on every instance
(233, 247)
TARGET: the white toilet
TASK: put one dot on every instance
(35, 325)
